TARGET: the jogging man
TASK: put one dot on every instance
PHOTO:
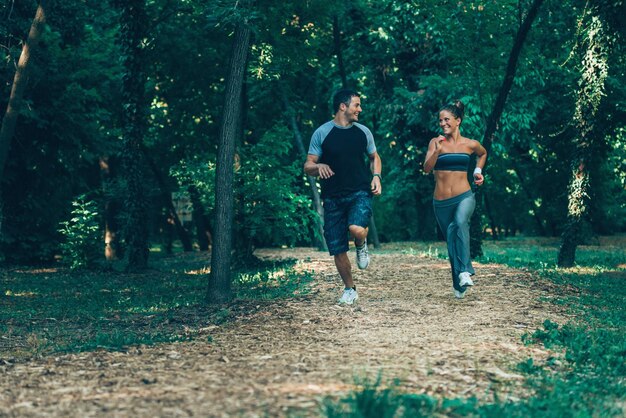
(337, 154)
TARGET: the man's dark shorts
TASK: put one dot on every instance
(341, 212)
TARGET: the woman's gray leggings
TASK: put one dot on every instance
(453, 216)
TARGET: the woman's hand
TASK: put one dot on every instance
(438, 142)
(478, 179)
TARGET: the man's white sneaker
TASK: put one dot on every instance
(459, 295)
(465, 279)
(362, 256)
(349, 297)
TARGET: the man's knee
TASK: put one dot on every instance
(358, 231)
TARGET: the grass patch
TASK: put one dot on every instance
(589, 381)
(272, 283)
(51, 310)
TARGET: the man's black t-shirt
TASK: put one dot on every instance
(344, 149)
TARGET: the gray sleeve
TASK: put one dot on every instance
(315, 147)
(371, 146)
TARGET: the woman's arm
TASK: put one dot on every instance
(481, 153)
(434, 149)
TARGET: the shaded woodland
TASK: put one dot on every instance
(118, 116)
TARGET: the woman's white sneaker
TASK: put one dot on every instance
(465, 279)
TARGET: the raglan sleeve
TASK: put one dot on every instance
(315, 147)
(371, 146)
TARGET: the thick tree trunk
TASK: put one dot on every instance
(594, 71)
(493, 119)
(9, 121)
(219, 289)
(577, 211)
(134, 121)
(318, 237)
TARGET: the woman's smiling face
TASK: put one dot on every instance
(448, 122)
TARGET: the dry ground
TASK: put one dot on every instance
(282, 357)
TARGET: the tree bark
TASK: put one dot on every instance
(492, 221)
(111, 210)
(219, 289)
(134, 122)
(493, 119)
(9, 121)
(594, 71)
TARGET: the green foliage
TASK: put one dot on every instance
(371, 400)
(199, 174)
(84, 243)
(275, 209)
(272, 283)
(406, 58)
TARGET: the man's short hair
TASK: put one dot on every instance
(343, 96)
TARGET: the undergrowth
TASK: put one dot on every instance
(50, 310)
(588, 381)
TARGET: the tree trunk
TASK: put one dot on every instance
(134, 122)
(594, 72)
(492, 221)
(166, 198)
(219, 289)
(9, 121)
(318, 238)
(200, 219)
(111, 209)
(373, 233)
(493, 119)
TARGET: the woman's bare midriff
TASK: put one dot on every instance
(450, 183)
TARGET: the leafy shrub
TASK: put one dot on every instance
(83, 244)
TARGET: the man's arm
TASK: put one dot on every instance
(313, 168)
(376, 166)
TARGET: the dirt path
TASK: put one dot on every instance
(282, 357)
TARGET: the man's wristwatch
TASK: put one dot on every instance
(377, 175)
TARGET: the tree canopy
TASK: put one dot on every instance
(406, 58)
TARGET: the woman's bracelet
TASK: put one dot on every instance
(478, 170)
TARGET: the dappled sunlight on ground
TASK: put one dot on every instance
(284, 357)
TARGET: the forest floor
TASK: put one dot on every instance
(284, 357)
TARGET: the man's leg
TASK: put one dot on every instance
(358, 233)
(345, 269)
(358, 218)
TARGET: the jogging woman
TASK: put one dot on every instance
(448, 157)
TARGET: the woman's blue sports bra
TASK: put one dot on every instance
(452, 162)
